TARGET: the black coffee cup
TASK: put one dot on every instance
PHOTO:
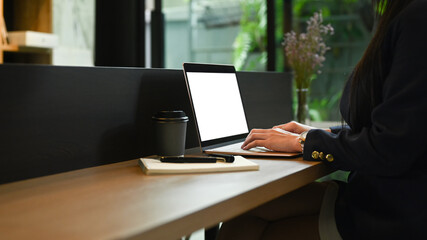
(170, 131)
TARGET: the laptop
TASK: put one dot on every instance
(218, 110)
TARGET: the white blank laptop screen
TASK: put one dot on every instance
(217, 104)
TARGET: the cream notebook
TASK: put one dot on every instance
(152, 166)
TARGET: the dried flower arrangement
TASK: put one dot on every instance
(305, 53)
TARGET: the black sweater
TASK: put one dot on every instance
(386, 193)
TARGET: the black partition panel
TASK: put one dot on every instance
(162, 90)
(267, 98)
(56, 119)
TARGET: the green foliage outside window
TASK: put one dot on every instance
(352, 21)
(251, 42)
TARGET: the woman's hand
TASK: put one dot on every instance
(273, 139)
(294, 127)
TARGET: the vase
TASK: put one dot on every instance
(302, 107)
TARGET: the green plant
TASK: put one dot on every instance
(320, 108)
(252, 35)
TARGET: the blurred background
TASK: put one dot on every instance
(164, 34)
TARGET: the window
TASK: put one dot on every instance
(217, 31)
(235, 32)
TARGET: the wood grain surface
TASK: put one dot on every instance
(119, 201)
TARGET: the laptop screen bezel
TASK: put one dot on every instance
(211, 68)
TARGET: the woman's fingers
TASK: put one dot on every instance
(255, 134)
(255, 143)
(294, 127)
(274, 139)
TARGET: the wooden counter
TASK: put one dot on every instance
(119, 201)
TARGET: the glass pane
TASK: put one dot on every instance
(234, 32)
(74, 24)
(215, 31)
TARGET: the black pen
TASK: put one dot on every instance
(192, 159)
(228, 158)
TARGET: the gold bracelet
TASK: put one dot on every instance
(302, 138)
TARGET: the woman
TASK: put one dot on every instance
(384, 105)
